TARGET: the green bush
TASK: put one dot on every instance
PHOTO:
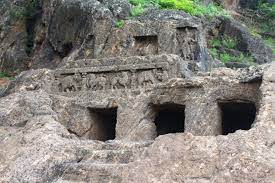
(120, 24)
(193, 7)
(270, 42)
(185, 5)
(229, 43)
(137, 10)
(226, 57)
(226, 42)
(267, 9)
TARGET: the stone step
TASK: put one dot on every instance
(92, 172)
(117, 145)
(111, 156)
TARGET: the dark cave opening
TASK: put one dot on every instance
(169, 118)
(237, 116)
(105, 123)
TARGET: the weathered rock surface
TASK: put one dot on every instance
(55, 31)
(44, 132)
(105, 114)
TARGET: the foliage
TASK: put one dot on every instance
(217, 51)
(226, 42)
(267, 9)
(211, 10)
(193, 7)
(120, 24)
(270, 42)
(185, 5)
(254, 32)
(242, 58)
(229, 43)
(137, 10)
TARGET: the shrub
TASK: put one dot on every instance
(229, 43)
(120, 24)
(185, 5)
(267, 9)
(189, 6)
(137, 10)
(226, 42)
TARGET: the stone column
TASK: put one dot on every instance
(134, 119)
(202, 118)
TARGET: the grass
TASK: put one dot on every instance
(193, 7)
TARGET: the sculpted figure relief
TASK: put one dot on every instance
(123, 81)
(161, 75)
(100, 83)
(91, 81)
(68, 84)
(134, 78)
(146, 79)
(84, 81)
(78, 81)
(187, 43)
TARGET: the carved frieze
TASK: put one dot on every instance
(115, 77)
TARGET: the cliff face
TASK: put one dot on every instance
(41, 33)
(38, 33)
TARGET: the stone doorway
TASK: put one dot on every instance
(169, 118)
(237, 116)
(104, 124)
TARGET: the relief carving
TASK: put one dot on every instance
(146, 78)
(70, 83)
(103, 79)
(100, 83)
(187, 42)
(123, 81)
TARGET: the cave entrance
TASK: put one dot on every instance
(169, 118)
(237, 116)
(104, 126)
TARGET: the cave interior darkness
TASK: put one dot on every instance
(237, 116)
(169, 118)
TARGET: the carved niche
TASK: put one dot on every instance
(187, 42)
(146, 45)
